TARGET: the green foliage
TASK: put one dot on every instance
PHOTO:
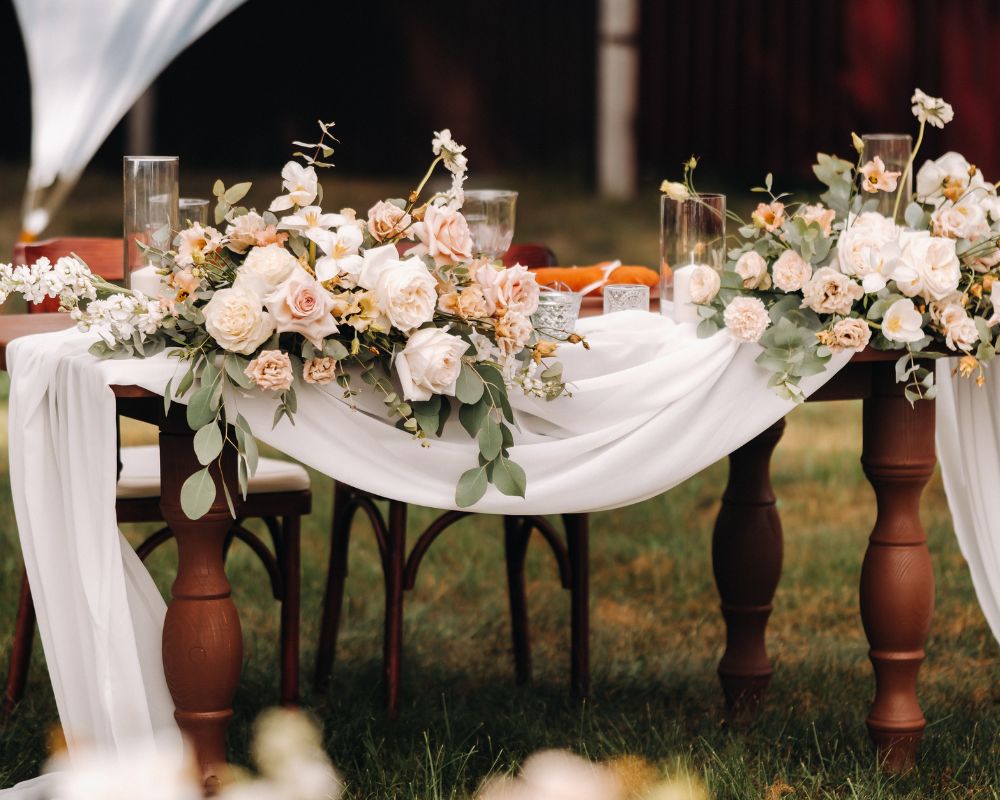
(838, 176)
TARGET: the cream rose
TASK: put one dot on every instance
(849, 334)
(746, 319)
(511, 289)
(302, 305)
(444, 236)
(271, 370)
(243, 231)
(863, 250)
(791, 271)
(430, 364)
(902, 322)
(948, 178)
(265, 269)
(319, 370)
(407, 293)
(959, 329)
(931, 267)
(965, 219)
(512, 333)
(830, 292)
(235, 319)
(386, 221)
(752, 268)
(704, 284)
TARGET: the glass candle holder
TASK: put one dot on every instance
(625, 297)
(894, 150)
(490, 214)
(192, 210)
(557, 314)
(692, 231)
(151, 210)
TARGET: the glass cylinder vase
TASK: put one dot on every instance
(490, 214)
(151, 213)
(692, 232)
(894, 150)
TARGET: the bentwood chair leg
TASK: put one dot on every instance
(577, 540)
(333, 598)
(516, 536)
(290, 611)
(20, 653)
(395, 561)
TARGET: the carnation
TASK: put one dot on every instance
(848, 334)
(746, 319)
(512, 333)
(271, 370)
(830, 292)
(791, 271)
(319, 370)
(704, 285)
(752, 268)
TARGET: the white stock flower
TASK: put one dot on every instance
(791, 271)
(932, 110)
(704, 284)
(406, 292)
(237, 321)
(752, 268)
(342, 256)
(444, 145)
(430, 363)
(863, 252)
(312, 223)
(301, 184)
(265, 269)
(902, 322)
(746, 318)
(965, 219)
(829, 291)
(929, 267)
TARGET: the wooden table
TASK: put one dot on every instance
(202, 639)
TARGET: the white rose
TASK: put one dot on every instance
(959, 329)
(863, 251)
(965, 219)
(746, 318)
(236, 320)
(901, 322)
(791, 271)
(930, 266)
(830, 292)
(675, 191)
(374, 261)
(947, 178)
(430, 363)
(752, 268)
(704, 284)
(265, 269)
(406, 292)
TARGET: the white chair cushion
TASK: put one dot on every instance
(141, 474)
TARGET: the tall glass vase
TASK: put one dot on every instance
(151, 215)
(894, 150)
(692, 232)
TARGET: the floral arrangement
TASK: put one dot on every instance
(267, 301)
(806, 280)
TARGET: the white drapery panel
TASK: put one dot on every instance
(89, 61)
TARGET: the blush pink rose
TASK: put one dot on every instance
(512, 289)
(444, 236)
(302, 305)
(271, 370)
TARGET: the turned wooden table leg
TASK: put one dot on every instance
(746, 558)
(202, 639)
(897, 584)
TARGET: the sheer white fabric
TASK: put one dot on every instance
(652, 405)
(89, 61)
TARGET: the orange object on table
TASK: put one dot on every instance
(578, 278)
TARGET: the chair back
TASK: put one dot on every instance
(529, 255)
(104, 256)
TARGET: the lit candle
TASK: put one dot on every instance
(147, 281)
(684, 309)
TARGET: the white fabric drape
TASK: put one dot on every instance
(968, 445)
(652, 405)
(89, 61)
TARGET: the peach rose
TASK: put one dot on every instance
(512, 333)
(444, 236)
(511, 289)
(271, 370)
(469, 303)
(386, 221)
(302, 305)
(320, 371)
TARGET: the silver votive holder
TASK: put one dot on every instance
(557, 314)
(625, 297)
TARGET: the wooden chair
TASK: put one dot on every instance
(279, 491)
(400, 569)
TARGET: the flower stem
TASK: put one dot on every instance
(909, 167)
(427, 176)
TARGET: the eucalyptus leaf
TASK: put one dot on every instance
(509, 478)
(471, 487)
(235, 367)
(471, 416)
(490, 439)
(334, 349)
(236, 192)
(470, 386)
(200, 410)
(198, 494)
(208, 443)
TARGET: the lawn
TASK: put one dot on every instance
(656, 629)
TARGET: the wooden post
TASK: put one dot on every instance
(897, 584)
(746, 559)
(617, 97)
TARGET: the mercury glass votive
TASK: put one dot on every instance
(625, 297)
(557, 313)
(894, 150)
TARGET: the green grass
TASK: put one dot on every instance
(656, 629)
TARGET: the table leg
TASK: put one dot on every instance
(202, 639)
(746, 559)
(897, 583)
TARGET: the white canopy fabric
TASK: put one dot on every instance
(89, 61)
